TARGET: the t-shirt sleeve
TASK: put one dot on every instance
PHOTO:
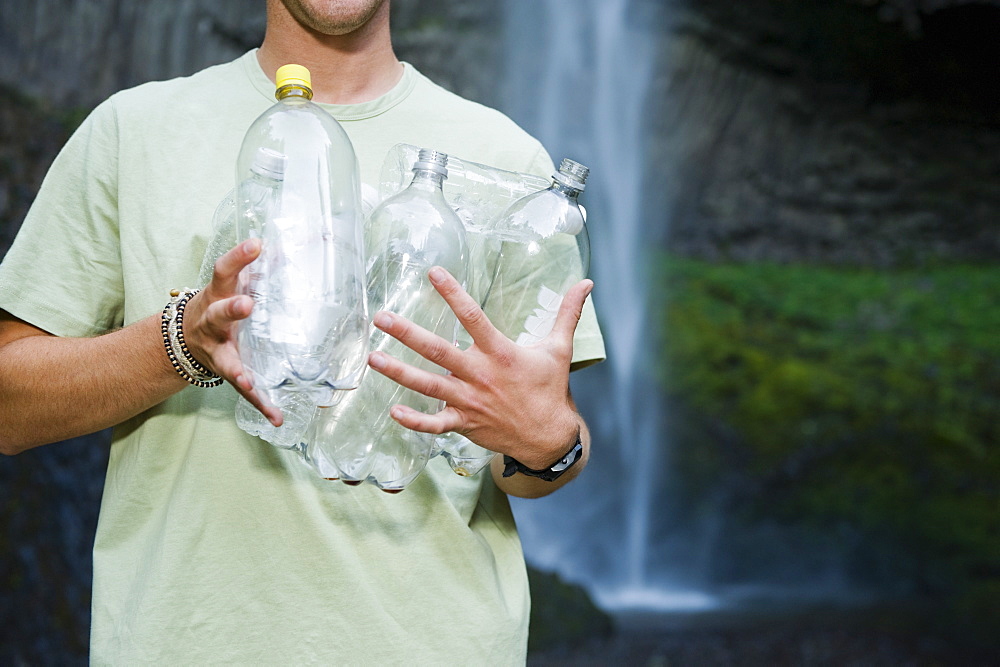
(523, 303)
(63, 272)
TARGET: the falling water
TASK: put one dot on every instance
(579, 79)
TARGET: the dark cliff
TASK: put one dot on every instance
(824, 132)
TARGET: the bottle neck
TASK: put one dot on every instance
(424, 179)
(567, 191)
(293, 91)
(264, 180)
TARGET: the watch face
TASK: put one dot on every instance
(569, 459)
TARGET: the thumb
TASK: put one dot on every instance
(570, 311)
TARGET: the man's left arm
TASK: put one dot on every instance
(527, 486)
(507, 398)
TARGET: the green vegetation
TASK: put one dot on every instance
(848, 396)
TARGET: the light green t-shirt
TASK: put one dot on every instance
(213, 546)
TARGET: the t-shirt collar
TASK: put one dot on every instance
(342, 112)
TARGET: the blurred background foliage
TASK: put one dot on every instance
(855, 401)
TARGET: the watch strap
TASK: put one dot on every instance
(553, 472)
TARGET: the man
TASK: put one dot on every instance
(211, 545)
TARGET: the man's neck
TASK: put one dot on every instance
(346, 69)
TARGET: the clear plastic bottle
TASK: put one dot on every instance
(478, 193)
(223, 236)
(545, 250)
(406, 235)
(297, 407)
(298, 191)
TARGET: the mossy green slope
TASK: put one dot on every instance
(848, 396)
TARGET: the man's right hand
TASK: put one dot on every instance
(53, 388)
(210, 325)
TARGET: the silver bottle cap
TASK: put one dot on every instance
(572, 174)
(431, 160)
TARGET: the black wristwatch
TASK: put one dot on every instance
(553, 472)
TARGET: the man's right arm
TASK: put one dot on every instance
(53, 388)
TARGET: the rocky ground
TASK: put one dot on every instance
(814, 638)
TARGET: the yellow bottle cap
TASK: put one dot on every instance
(296, 75)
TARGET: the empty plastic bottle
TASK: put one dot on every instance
(545, 250)
(478, 193)
(406, 235)
(297, 407)
(298, 191)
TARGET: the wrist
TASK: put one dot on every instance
(176, 345)
(553, 442)
(553, 471)
(193, 334)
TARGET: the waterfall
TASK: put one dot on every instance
(579, 75)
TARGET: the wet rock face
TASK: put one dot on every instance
(29, 139)
(824, 132)
(49, 500)
(456, 44)
(82, 51)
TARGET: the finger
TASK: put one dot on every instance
(228, 365)
(271, 413)
(435, 385)
(467, 310)
(444, 421)
(221, 314)
(569, 313)
(427, 344)
(228, 267)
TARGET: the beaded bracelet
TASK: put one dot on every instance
(172, 327)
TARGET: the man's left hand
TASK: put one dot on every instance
(507, 398)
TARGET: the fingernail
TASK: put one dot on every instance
(436, 274)
(590, 288)
(376, 360)
(397, 412)
(382, 320)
